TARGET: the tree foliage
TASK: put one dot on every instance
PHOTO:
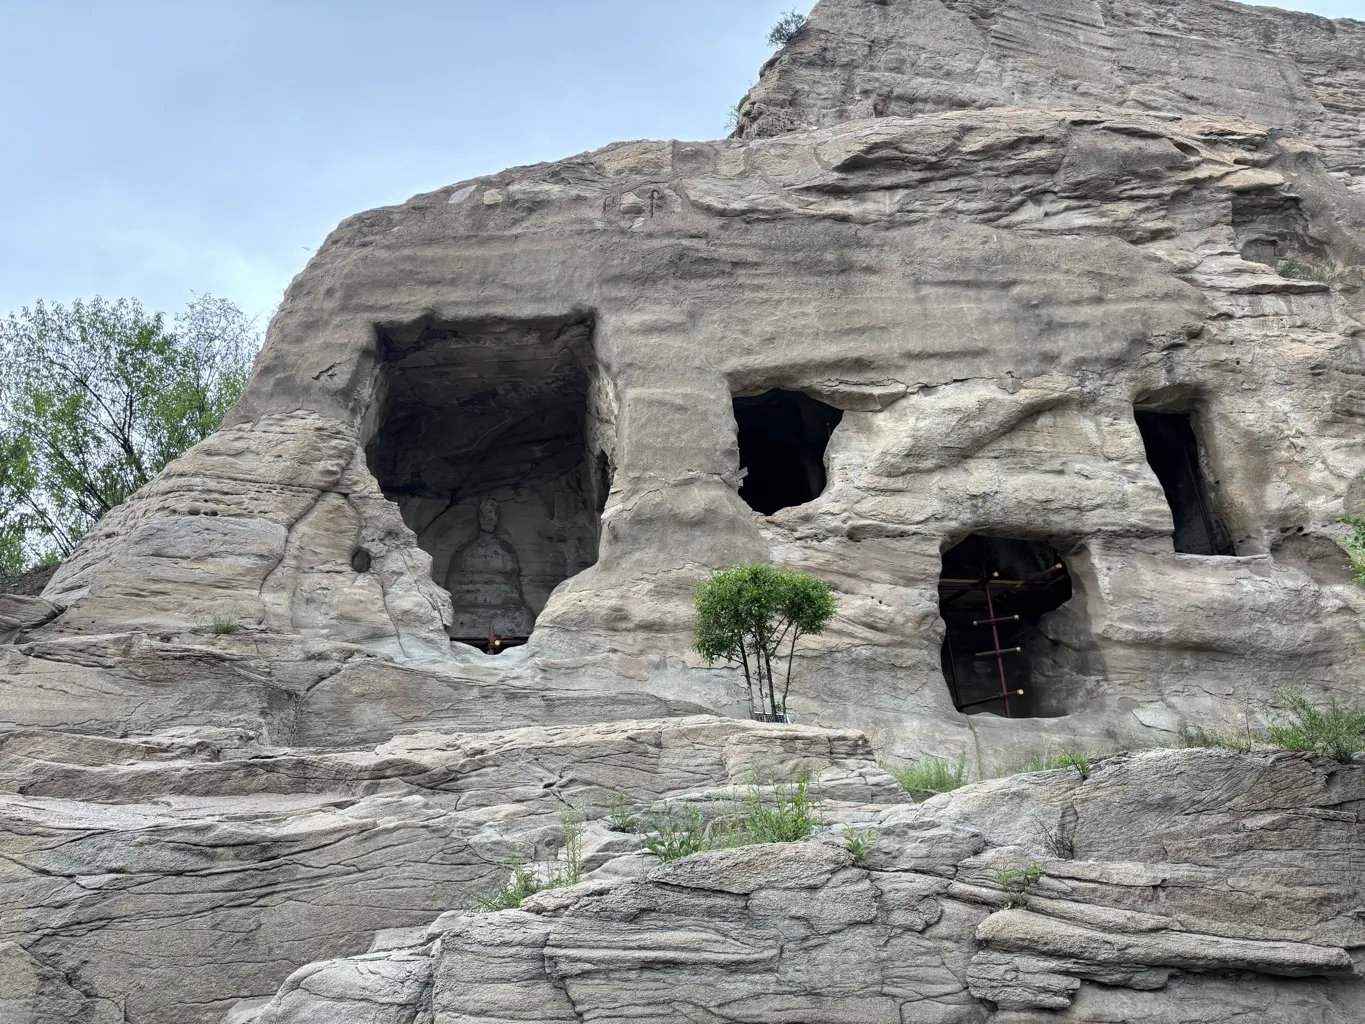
(753, 615)
(787, 28)
(95, 398)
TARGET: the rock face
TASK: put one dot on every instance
(978, 236)
(1034, 327)
(1175, 900)
(173, 875)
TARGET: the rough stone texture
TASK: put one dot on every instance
(867, 58)
(983, 289)
(179, 873)
(1227, 922)
(245, 775)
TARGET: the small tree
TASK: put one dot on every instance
(750, 615)
(788, 27)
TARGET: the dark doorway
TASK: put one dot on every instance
(992, 594)
(1173, 454)
(782, 439)
(481, 439)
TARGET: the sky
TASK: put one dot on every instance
(161, 149)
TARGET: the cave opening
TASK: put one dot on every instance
(1173, 453)
(486, 438)
(992, 595)
(782, 440)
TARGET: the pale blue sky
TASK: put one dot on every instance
(159, 149)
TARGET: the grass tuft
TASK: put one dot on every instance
(620, 818)
(930, 776)
(787, 815)
(1050, 760)
(556, 874)
(1329, 729)
(1015, 883)
(1198, 736)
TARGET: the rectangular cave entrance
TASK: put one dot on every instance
(482, 440)
(782, 440)
(1173, 453)
(992, 593)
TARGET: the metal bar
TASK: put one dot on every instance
(995, 634)
(1200, 496)
(988, 700)
(987, 622)
(952, 665)
(1002, 650)
(960, 593)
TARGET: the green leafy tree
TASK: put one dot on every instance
(95, 398)
(753, 615)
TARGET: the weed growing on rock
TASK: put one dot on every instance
(1058, 841)
(930, 776)
(789, 816)
(571, 871)
(1198, 736)
(733, 118)
(1015, 883)
(1050, 760)
(1355, 545)
(521, 884)
(1294, 267)
(224, 624)
(676, 834)
(556, 874)
(858, 841)
(1332, 729)
(619, 816)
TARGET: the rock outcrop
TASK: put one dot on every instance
(1164, 891)
(981, 282)
(1057, 308)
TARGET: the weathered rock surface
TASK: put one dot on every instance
(984, 279)
(1181, 898)
(175, 874)
(245, 774)
(864, 58)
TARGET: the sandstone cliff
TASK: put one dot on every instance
(1075, 287)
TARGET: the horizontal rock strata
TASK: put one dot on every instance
(1228, 924)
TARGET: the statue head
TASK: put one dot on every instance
(488, 515)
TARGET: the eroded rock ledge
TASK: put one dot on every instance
(1194, 886)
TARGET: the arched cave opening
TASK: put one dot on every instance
(481, 436)
(992, 593)
(1173, 453)
(782, 439)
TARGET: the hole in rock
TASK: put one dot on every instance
(1173, 454)
(360, 561)
(992, 593)
(782, 439)
(1271, 228)
(482, 440)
